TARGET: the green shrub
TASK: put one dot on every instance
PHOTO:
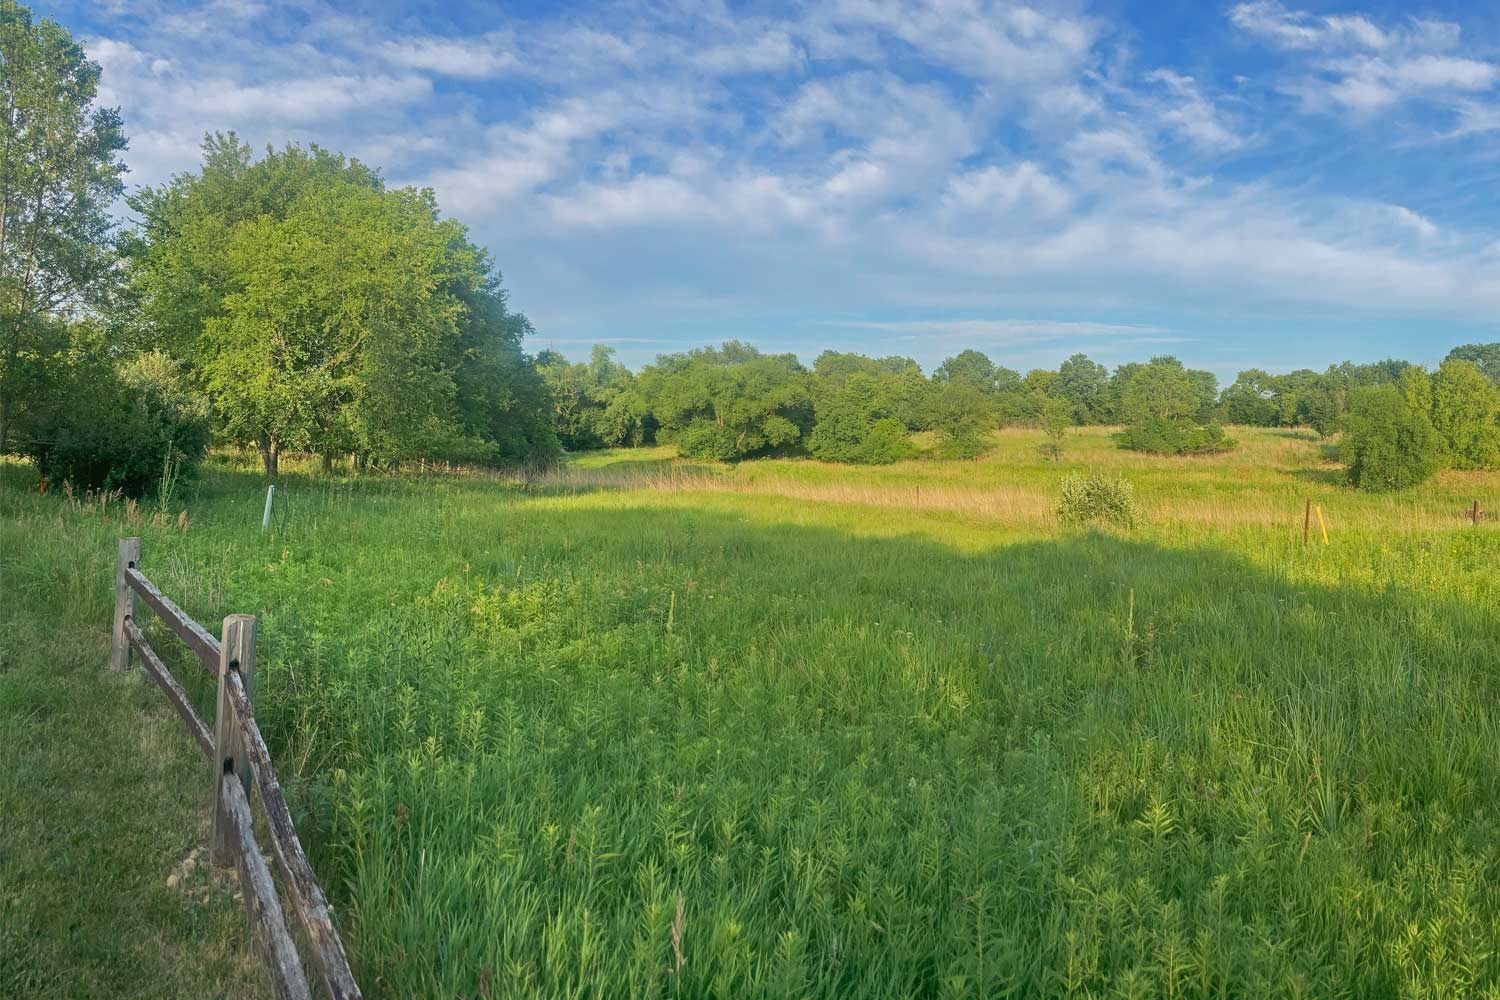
(1098, 499)
(108, 426)
(1161, 436)
(1388, 444)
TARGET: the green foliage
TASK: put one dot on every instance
(1486, 356)
(1320, 410)
(1097, 499)
(728, 403)
(1056, 416)
(1164, 403)
(1161, 436)
(964, 417)
(1388, 444)
(858, 419)
(594, 403)
(326, 313)
(1465, 411)
(59, 174)
(1084, 384)
(1251, 399)
(108, 427)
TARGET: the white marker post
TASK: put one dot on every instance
(265, 519)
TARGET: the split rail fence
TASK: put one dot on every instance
(240, 760)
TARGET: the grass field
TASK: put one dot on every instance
(648, 728)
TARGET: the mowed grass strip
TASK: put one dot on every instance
(603, 738)
(103, 795)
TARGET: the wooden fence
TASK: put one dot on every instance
(240, 761)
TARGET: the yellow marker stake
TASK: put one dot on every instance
(1321, 526)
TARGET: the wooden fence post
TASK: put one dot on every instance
(237, 652)
(1306, 521)
(129, 556)
(1476, 511)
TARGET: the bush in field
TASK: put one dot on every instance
(1388, 444)
(117, 427)
(1167, 408)
(1163, 436)
(1097, 499)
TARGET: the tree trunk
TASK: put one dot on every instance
(327, 463)
(270, 457)
(4, 424)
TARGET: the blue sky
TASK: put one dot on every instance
(1242, 184)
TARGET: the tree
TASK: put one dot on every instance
(1486, 356)
(1056, 417)
(729, 402)
(583, 396)
(1387, 444)
(108, 425)
(338, 332)
(59, 175)
(325, 312)
(857, 421)
(1084, 384)
(1466, 415)
(975, 366)
(963, 415)
(1320, 409)
(1250, 399)
(1164, 405)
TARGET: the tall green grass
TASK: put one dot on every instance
(625, 735)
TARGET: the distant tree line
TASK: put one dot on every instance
(734, 402)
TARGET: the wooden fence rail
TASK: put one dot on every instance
(239, 761)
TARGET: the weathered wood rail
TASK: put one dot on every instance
(239, 762)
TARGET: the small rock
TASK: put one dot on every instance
(172, 881)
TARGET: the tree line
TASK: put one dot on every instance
(735, 402)
(293, 302)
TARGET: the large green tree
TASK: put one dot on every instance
(1388, 444)
(729, 402)
(59, 173)
(1084, 384)
(324, 312)
(1465, 412)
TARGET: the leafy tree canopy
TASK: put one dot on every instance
(59, 173)
(729, 402)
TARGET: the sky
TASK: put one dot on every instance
(1241, 184)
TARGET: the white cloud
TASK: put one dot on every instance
(1024, 189)
(1191, 116)
(474, 59)
(1357, 66)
